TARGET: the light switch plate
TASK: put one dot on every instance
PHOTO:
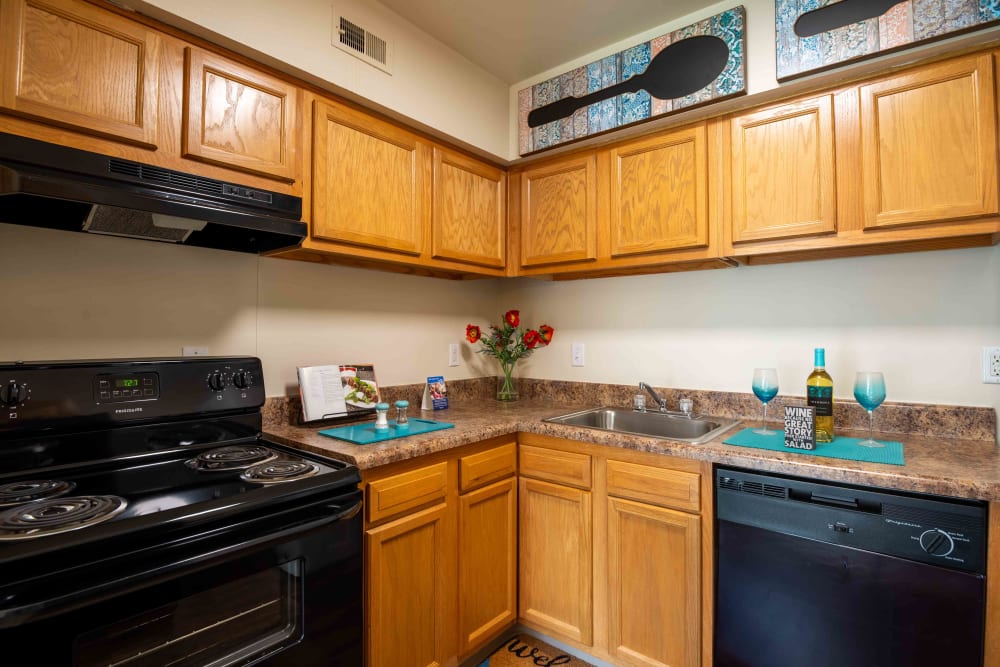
(453, 359)
(576, 354)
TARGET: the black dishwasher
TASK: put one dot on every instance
(819, 574)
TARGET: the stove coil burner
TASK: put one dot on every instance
(58, 515)
(276, 472)
(232, 457)
(18, 493)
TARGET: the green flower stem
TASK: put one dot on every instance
(506, 392)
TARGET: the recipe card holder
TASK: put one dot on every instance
(337, 392)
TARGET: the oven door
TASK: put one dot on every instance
(278, 590)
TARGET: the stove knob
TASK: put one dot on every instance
(936, 542)
(242, 379)
(216, 381)
(13, 393)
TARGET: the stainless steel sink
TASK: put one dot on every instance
(695, 430)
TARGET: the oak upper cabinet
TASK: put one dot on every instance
(74, 65)
(237, 117)
(928, 144)
(659, 193)
(469, 219)
(782, 172)
(370, 182)
(408, 564)
(558, 213)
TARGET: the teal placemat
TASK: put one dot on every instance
(365, 434)
(840, 448)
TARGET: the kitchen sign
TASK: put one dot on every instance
(800, 427)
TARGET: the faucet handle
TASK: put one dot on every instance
(686, 405)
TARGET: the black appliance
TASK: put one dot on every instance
(47, 185)
(145, 521)
(823, 574)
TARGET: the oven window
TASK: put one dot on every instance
(226, 625)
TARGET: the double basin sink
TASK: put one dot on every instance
(667, 425)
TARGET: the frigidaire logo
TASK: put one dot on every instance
(125, 411)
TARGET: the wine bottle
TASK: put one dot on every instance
(819, 394)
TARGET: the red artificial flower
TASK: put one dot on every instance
(473, 333)
(512, 317)
(545, 331)
(531, 339)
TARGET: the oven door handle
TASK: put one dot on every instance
(113, 582)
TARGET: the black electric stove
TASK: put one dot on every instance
(135, 491)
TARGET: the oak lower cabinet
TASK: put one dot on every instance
(616, 551)
(440, 555)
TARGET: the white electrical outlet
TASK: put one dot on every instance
(191, 351)
(991, 365)
(576, 353)
(453, 354)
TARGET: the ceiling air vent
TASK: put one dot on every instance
(352, 38)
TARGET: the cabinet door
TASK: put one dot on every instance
(654, 585)
(238, 117)
(369, 181)
(659, 193)
(487, 563)
(556, 576)
(469, 216)
(71, 64)
(783, 173)
(559, 212)
(408, 569)
(928, 144)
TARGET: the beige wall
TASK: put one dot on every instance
(80, 296)
(431, 85)
(921, 318)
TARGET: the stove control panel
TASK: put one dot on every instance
(126, 388)
(46, 395)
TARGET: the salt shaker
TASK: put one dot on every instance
(401, 420)
(381, 416)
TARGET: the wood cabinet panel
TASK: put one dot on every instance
(369, 183)
(478, 469)
(555, 547)
(654, 587)
(659, 193)
(487, 563)
(556, 466)
(928, 144)
(238, 117)
(559, 212)
(656, 486)
(783, 171)
(408, 565)
(71, 64)
(469, 213)
(400, 493)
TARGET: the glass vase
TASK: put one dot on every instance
(506, 383)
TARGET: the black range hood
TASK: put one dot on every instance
(47, 185)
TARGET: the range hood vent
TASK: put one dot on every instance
(47, 185)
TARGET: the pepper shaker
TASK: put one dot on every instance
(401, 420)
(381, 416)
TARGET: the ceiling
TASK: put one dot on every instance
(518, 39)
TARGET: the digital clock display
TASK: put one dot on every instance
(126, 383)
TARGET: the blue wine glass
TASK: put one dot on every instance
(765, 387)
(869, 391)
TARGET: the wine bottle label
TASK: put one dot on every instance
(820, 398)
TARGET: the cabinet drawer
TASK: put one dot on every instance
(656, 486)
(556, 466)
(394, 495)
(479, 469)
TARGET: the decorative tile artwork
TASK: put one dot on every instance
(904, 24)
(629, 108)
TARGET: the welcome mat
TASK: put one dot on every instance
(527, 651)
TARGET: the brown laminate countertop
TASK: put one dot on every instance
(948, 467)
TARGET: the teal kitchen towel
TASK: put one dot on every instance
(840, 448)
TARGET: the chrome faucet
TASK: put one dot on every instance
(660, 401)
